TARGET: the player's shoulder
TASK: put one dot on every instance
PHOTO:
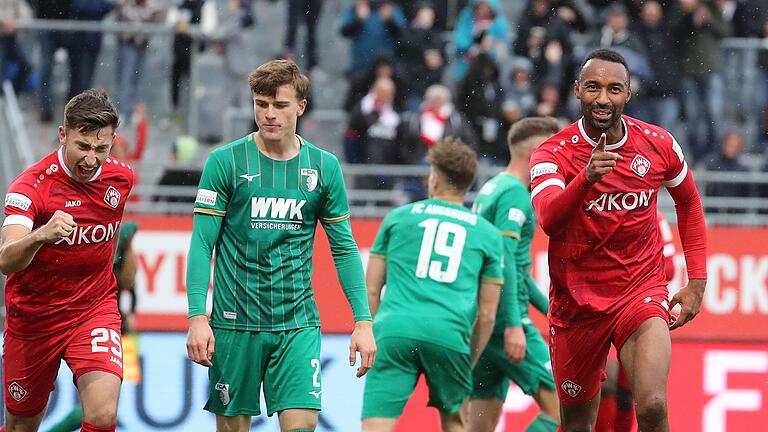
(652, 133)
(227, 150)
(318, 156)
(36, 174)
(488, 231)
(116, 167)
(559, 142)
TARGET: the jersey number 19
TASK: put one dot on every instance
(436, 239)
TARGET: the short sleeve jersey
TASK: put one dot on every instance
(270, 208)
(437, 254)
(70, 277)
(610, 252)
(505, 202)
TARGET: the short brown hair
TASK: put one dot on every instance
(267, 78)
(531, 126)
(456, 162)
(89, 111)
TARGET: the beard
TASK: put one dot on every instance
(615, 116)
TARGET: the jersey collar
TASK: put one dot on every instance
(66, 170)
(607, 147)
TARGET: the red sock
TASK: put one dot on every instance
(91, 428)
(2, 428)
(605, 415)
(625, 420)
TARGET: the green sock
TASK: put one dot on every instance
(72, 422)
(542, 423)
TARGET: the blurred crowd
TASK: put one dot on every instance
(421, 70)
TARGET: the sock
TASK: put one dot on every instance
(625, 420)
(71, 422)
(91, 428)
(2, 428)
(605, 415)
(542, 423)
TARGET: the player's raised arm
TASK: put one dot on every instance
(602, 162)
(19, 245)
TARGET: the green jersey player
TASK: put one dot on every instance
(442, 268)
(258, 205)
(516, 350)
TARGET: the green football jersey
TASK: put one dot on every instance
(505, 201)
(263, 255)
(437, 254)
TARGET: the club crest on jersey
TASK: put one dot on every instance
(571, 388)
(309, 177)
(640, 165)
(112, 197)
(17, 391)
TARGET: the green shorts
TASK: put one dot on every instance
(287, 362)
(400, 361)
(494, 370)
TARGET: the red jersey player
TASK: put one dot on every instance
(594, 187)
(62, 216)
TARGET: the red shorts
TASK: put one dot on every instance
(579, 353)
(30, 366)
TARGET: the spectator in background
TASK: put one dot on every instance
(519, 96)
(658, 100)
(229, 40)
(374, 122)
(700, 31)
(383, 67)
(10, 53)
(481, 28)
(544, 38)
(86, 46)
(186, 14)
(480, 98)
(50, 42)
(132, 50)
(437, 118)
(373, 27)
(308, 12)
(727, 159)
(549, 103)
(421, 55)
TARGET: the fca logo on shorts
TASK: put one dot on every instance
(223, 390)
(17, 391)
(571, 388)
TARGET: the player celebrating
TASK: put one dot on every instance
(258, 205)
(432, 255)
(594, 191)
(516, 350)
(62, 215)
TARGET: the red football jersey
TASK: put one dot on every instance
(610, 252)
(66, 279)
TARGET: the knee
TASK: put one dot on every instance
(102, 418)
(652, 408)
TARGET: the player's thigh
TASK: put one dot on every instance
(484, 414)
(488, 378)
(239, 362)
(448, 374)
(578, 355)
(298, 419)
(292, 378)
(30, 367)
(96, 345)
(390, 383)
(238, 423)
(99, 392)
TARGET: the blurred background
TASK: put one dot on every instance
(389, 78)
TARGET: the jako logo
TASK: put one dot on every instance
(621, 201)
(87, 234)
(75, 203)
(276, 208)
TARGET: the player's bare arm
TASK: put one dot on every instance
(362, 342)
(689, 299)
(487, 304)
(375, 276)
(200, 340)
(602, 162)
(19, 246)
